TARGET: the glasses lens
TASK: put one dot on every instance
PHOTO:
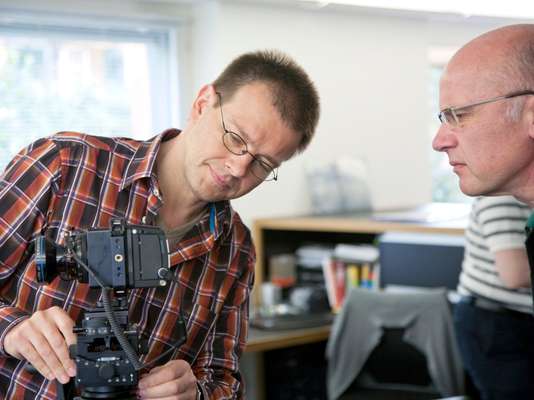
(447, 117)
(261, 170)
(234, 143)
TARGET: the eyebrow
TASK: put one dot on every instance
(241, 132)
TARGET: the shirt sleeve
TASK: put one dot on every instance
(217, 365)
(26, 192)
(502, 222)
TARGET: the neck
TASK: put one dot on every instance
(525, 195)
(179, 206)
(522, 186)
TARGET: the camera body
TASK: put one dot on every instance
(123, 257)
(120, 258)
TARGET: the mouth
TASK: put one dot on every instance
(456, 166)
(219, 180)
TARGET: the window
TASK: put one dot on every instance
(103, 81)
(445, 187)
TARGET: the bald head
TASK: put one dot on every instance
(502, 58)
(490, 142)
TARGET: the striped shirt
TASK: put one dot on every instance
(74, 181)
(495, 224)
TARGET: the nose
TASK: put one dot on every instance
(445, 138)
(238, 165)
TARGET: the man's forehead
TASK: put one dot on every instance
(471, 77)
(455, 86)
(252, 112)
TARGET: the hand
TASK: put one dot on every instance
(172, 381)
(43, 340)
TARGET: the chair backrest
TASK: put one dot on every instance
(383, 341)
(396, 361)
(395, 370)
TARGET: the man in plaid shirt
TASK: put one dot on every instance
(258, 113)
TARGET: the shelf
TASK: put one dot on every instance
(262, 340)
(277, 235)
(347, 224)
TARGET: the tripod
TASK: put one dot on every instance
(103, 369)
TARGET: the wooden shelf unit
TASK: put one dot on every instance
(284, 235)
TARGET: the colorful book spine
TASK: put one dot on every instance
(366, 276)
(340, 276)
(353, 276)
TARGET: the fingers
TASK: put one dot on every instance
(178, 388)
(42, 340)
(174, 380)
(66, 325)
(170, 391)
(30, 354)
(52, 347)
(164, 373)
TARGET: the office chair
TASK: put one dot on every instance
(393, 346)
(395, 370)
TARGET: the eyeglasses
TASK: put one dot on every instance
(235, 144)
(451, 116)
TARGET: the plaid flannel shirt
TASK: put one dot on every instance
(73, 181)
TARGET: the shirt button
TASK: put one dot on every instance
(156, 192)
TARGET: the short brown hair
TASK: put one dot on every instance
(294, 94)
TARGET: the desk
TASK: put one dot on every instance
(262, 340)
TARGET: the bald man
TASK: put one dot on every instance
(487, 131)
(487, 114)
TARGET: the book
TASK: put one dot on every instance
(341, 276)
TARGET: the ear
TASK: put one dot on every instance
(206, 97)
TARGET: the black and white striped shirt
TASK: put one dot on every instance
(495, 224)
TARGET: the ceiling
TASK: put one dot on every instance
(515, 9)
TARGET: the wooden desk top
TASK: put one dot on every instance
(431, 218)
(262, 340)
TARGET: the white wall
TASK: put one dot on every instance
(371, 71)
(372, 74)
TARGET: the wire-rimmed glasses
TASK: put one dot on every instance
(451, 115)
(235, 144)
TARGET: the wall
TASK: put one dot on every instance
(372, 73)
(371, 70)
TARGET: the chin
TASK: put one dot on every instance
(479, 190)
(214, 196)
(471, 190)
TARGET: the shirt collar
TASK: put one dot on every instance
(142, 163)
(214, 226)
